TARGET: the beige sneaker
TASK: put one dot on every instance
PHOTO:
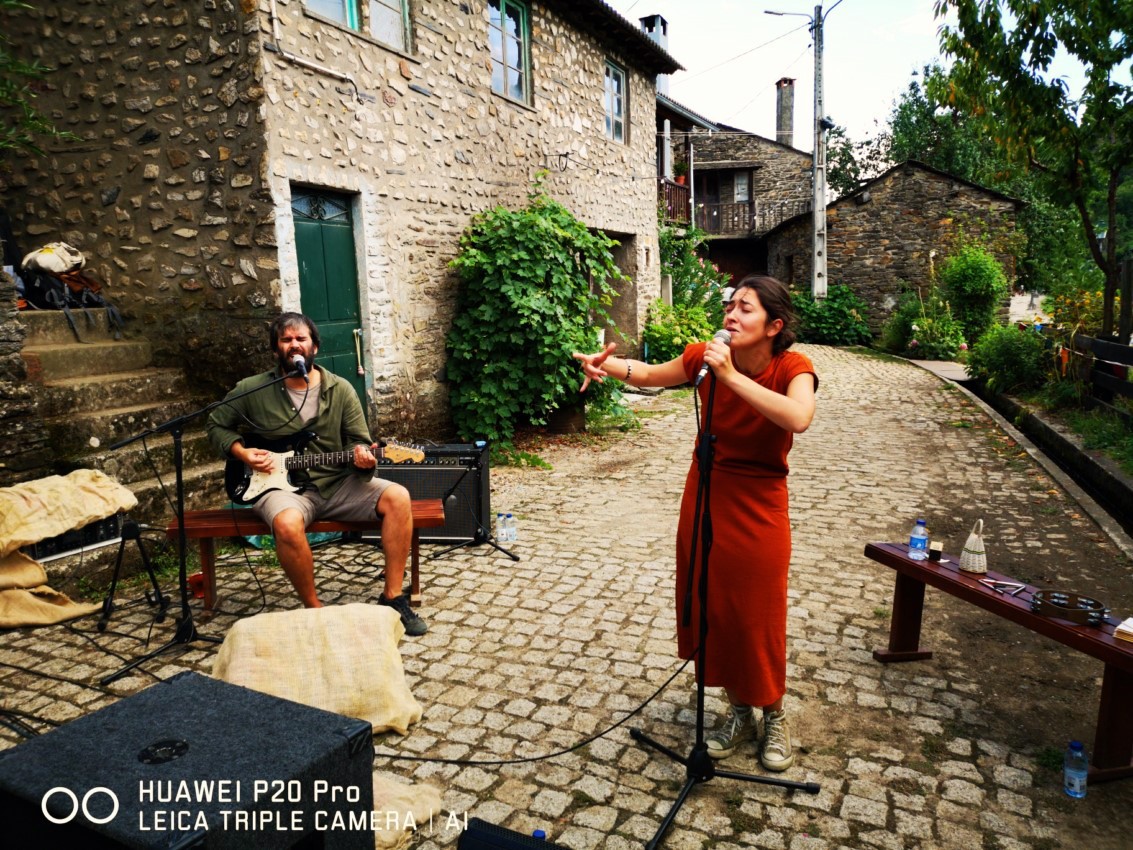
(738, 726)
(775, 750)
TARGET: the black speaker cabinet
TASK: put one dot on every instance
(482, 835)
(457, 473)
(193, 762)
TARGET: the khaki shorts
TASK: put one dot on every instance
(355, 500)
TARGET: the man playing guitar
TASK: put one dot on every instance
(321, 402)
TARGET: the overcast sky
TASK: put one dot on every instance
(734, 53)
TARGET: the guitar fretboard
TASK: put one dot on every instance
(343, 458)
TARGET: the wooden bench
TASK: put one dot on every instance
(206, 526)
(1112, 754)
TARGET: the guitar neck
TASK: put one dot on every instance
(343, 458)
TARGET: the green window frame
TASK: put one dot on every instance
(615, 102)
(345, 12)
(389, 23)
(509, 38)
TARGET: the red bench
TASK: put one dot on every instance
(206, 526)
(1112, 754)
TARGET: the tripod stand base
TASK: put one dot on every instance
(476, 542)
(186, 633)
(699, 767)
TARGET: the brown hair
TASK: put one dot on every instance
(292, 320)
(776, 300)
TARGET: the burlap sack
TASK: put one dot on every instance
(40, 606)
(342, 658)
(47, 507)
(402, 808)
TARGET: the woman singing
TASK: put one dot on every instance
(764, 396)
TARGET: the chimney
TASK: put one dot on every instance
(657, 28)
(785, 112)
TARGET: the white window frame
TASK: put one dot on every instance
(745, 196)
(616, 104)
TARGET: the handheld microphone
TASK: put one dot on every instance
(300, 366)
(721, 336)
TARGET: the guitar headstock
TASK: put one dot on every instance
(402, 454)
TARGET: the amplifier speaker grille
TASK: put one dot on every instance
(457, 473)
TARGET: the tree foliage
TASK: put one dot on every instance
(534, 286)
(21, 122)
(975, 285)
(1079, 143)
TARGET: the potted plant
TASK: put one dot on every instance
(680, 171)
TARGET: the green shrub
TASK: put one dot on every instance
(839, 319)
(1008, 359)
(974, 284)
(923, 328)
(533, 284)
(669, 329)
(696, 281)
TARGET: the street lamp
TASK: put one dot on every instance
(821, 124)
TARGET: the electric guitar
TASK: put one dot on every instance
(246, 485)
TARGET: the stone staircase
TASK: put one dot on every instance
(95, 392)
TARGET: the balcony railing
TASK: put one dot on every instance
(674, 199)
(747, 219)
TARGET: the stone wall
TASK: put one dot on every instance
(781, 173)
(23, 441)
(162, 188)
(426, 147)
(894, 233)
(193, 126)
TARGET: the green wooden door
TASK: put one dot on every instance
(328, 280)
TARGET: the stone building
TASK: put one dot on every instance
(236, 158)
(894, 231)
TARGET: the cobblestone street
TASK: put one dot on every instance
(528, 658)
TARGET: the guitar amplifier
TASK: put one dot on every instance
(456, 473)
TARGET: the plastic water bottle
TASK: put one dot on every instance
(1075, 768)
(512, 528)
(918, 542)
(501, 528)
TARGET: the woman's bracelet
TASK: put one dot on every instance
(629, 371)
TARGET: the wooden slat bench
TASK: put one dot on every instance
(1112, 754)
(206, 526)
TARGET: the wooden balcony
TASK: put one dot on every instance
(673, 198)
(753, 218)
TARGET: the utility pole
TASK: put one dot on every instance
(818, 255)
(818, 168)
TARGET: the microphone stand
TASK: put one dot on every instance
(699, 765)
(186, 630)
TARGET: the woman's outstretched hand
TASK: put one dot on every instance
(592, 365)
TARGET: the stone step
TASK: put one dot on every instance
(88, 393)
(130, 463)
(50, 327)
(204, 488)
(76, 435)
(59, 361)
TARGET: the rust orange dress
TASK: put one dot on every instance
(751, 547)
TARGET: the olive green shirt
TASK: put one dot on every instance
(269, 414)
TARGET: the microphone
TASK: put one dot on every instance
(721, 336)
(300, 366)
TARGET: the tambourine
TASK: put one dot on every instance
(1069, 606)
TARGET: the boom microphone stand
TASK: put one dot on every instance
(483, 535)
(699, 766)
(186, 630)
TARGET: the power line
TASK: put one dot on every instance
(739, 56)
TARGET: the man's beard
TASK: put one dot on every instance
(286, 366)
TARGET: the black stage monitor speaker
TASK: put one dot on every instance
(457, 473)
(193, 762)
(482, 835)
